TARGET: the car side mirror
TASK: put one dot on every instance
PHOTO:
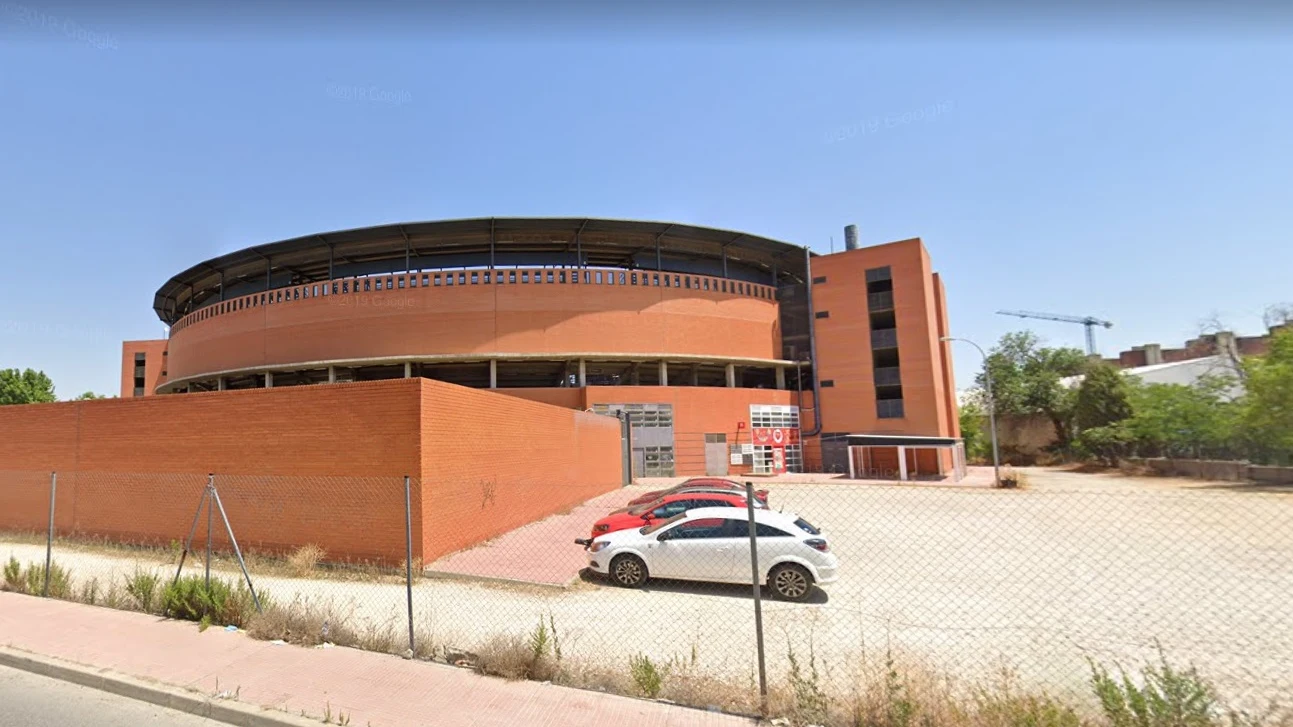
(663, 536)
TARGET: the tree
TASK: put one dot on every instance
(1266, 419)
(1175, 420)
(25, 387)
(1103, 397)
(1278, 314)
(973, 420)
(89, 396)
(1026, 380)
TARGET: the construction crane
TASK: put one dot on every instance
(1087, 321)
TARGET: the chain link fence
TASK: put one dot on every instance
(944, 599)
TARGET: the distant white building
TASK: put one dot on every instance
(1185, 373)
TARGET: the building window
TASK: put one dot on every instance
(462, 278)
(822, 314)
(827, 383)
(819, 280)
(875, 275)
(511, 276)
(774, 415)
(889, 408)
(475, 278)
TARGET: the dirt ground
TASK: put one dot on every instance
(962, 579)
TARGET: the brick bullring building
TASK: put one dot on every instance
(730, 353)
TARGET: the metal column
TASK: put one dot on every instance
(583, 373)
(493, 373)
(664, 373)
(49, 535)
(731, 376)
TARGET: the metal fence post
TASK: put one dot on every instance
(210, 515)
(408, 556)
(758, 600)
(49, 537)
(215, 497)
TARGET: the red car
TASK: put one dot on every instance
(665, 508)
(707, 483)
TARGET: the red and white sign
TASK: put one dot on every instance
(775, 436)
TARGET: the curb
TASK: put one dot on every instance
(162, 695)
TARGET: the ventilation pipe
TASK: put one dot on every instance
(812, 344)
(851, 237)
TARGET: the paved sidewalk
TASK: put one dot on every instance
(376, 689)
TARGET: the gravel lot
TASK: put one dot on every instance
(964, 580)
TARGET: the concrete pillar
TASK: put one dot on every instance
(583, 373)
(731, 376)
(902, 463)
(634, 378)
(269, 379)
(493, 373)
(695, 375)
(853, 473)
(408, 369)
(332, 374)
(664, 373)
(1153, 354)
(781, 378)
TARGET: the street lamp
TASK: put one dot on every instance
(992, 408)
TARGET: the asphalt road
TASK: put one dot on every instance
(30, 700)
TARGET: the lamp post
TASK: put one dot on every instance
(992, 408)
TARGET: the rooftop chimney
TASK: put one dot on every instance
(1153, 354)
(851, 237)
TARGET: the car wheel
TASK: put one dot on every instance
(790, 582)
(628, 571)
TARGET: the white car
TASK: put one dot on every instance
(713, 544)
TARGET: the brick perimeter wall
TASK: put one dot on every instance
(492, 462)
(285, 459)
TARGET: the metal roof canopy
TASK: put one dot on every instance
(479, 242)
(899, 440)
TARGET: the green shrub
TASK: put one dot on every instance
(60, 582)
(190, 599)
(810, 702)
(647, 677)
(89, 592)
(142, 586)
(13, 576)
(1166, 697)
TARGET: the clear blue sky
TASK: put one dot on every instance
(1143, 179)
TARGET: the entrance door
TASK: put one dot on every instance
(652, 436)
(716, 456)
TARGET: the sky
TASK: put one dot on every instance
(1133, 169)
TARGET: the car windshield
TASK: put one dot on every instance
(645, 508)
(648, 529)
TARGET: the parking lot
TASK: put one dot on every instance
(965, 580)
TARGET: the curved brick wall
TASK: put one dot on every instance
(694, 316)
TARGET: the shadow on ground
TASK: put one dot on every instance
(727, 590)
